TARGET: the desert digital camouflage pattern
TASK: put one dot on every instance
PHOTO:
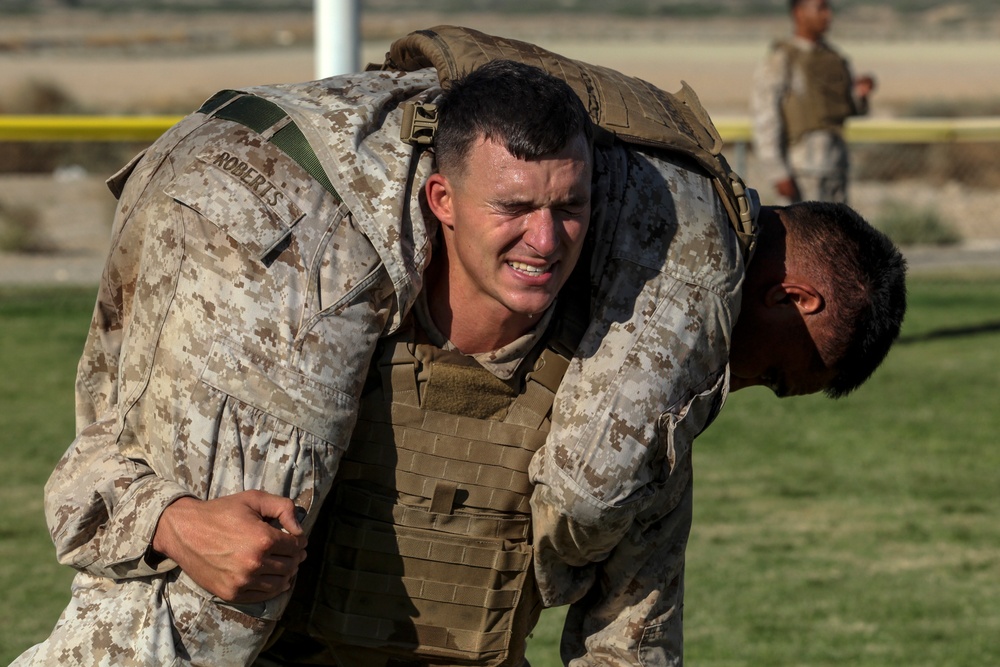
(215, 364)
(612, 505)
(802, 93)
(234, 327)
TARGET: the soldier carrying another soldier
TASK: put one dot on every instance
(433, 313)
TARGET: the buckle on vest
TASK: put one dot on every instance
(749, 208)
(419, 123)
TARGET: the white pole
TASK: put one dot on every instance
(338, 30)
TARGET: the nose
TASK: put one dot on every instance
(541, 232)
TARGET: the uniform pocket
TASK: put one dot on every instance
(239, 198)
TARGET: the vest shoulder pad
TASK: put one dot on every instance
(632, 110)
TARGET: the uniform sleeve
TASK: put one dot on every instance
(101, 507)
(610, 463)
(769, 84)
(611, 506)
(634, 614)
(232, 282)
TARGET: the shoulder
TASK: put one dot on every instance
(682, 227)
(826, 46)
(783, 45)
(779, 53)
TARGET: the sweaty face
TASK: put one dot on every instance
(514, 228)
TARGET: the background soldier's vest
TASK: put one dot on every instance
(623, 107)
(826, 100)
(428, 552)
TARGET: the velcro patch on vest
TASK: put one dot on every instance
(470, 391)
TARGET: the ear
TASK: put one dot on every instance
(440, 198)
(802, 295)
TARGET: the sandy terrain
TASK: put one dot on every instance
(138, 62)
(141, 64)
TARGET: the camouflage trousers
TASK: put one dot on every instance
(819, 163)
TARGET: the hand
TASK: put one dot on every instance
(863, 86)
(788, 188)
(230, 547)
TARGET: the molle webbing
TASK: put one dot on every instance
(826, 101)
(429, 557)
(631, 109)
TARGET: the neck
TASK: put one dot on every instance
(477, 325)
(808, 35)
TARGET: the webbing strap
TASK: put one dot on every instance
(259, 114)
(354, 581)
(447, 641)
(466, 447)
(532, 407)
(403, 544)
(388, 510)
(419, 484)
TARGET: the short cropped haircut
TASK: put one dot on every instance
(529, 112)
(866, 276)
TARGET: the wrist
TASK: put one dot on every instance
(165, 533)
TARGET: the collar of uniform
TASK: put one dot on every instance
(502, 362)
(807, 44)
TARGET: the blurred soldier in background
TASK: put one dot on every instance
(802, 94)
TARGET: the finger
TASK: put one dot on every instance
(289, 517)
(273, 565)
(266, 587)
(285, 544)
(282, 511)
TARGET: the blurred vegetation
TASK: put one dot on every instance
(973, 164)
(909, 225)
(21, 231)
(43, 97)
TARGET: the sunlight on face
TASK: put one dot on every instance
(517, 227)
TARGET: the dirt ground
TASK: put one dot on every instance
(135, 63)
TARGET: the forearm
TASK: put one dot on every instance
(633, 614)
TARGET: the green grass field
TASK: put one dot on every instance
(859, 532)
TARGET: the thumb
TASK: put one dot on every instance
(281, 511)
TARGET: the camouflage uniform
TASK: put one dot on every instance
(233, 330)
(818, 161)
(235, 323)
(612, 505)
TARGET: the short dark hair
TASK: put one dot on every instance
(866, 276)
(529, 111)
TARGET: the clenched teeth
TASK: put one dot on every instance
(527, 268)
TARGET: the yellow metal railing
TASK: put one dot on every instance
(84, 128)
(889, 130)
(733, 130)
